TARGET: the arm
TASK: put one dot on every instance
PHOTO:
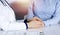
(56, 16)
(7, 23)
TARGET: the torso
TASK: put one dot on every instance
(44, 9)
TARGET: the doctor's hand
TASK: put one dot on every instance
(35, 23)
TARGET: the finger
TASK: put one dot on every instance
(37, 19)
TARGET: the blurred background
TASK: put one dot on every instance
(20, 8)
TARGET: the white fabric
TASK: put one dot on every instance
(10, 1)
(7, 19)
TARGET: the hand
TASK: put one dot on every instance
(35, 23)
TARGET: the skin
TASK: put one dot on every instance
(35, 23)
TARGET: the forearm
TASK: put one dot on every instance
(51, 22)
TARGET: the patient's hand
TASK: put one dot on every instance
(35, 23)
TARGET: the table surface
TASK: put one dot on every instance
(50, 30)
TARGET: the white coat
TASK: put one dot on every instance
(7, 19)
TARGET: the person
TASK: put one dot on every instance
(46, 11)
(20, 7)
(7, 18)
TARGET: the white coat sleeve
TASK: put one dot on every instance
(7, 19)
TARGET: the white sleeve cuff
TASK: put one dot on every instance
(15, 26)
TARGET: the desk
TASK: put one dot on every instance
(50, 30)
